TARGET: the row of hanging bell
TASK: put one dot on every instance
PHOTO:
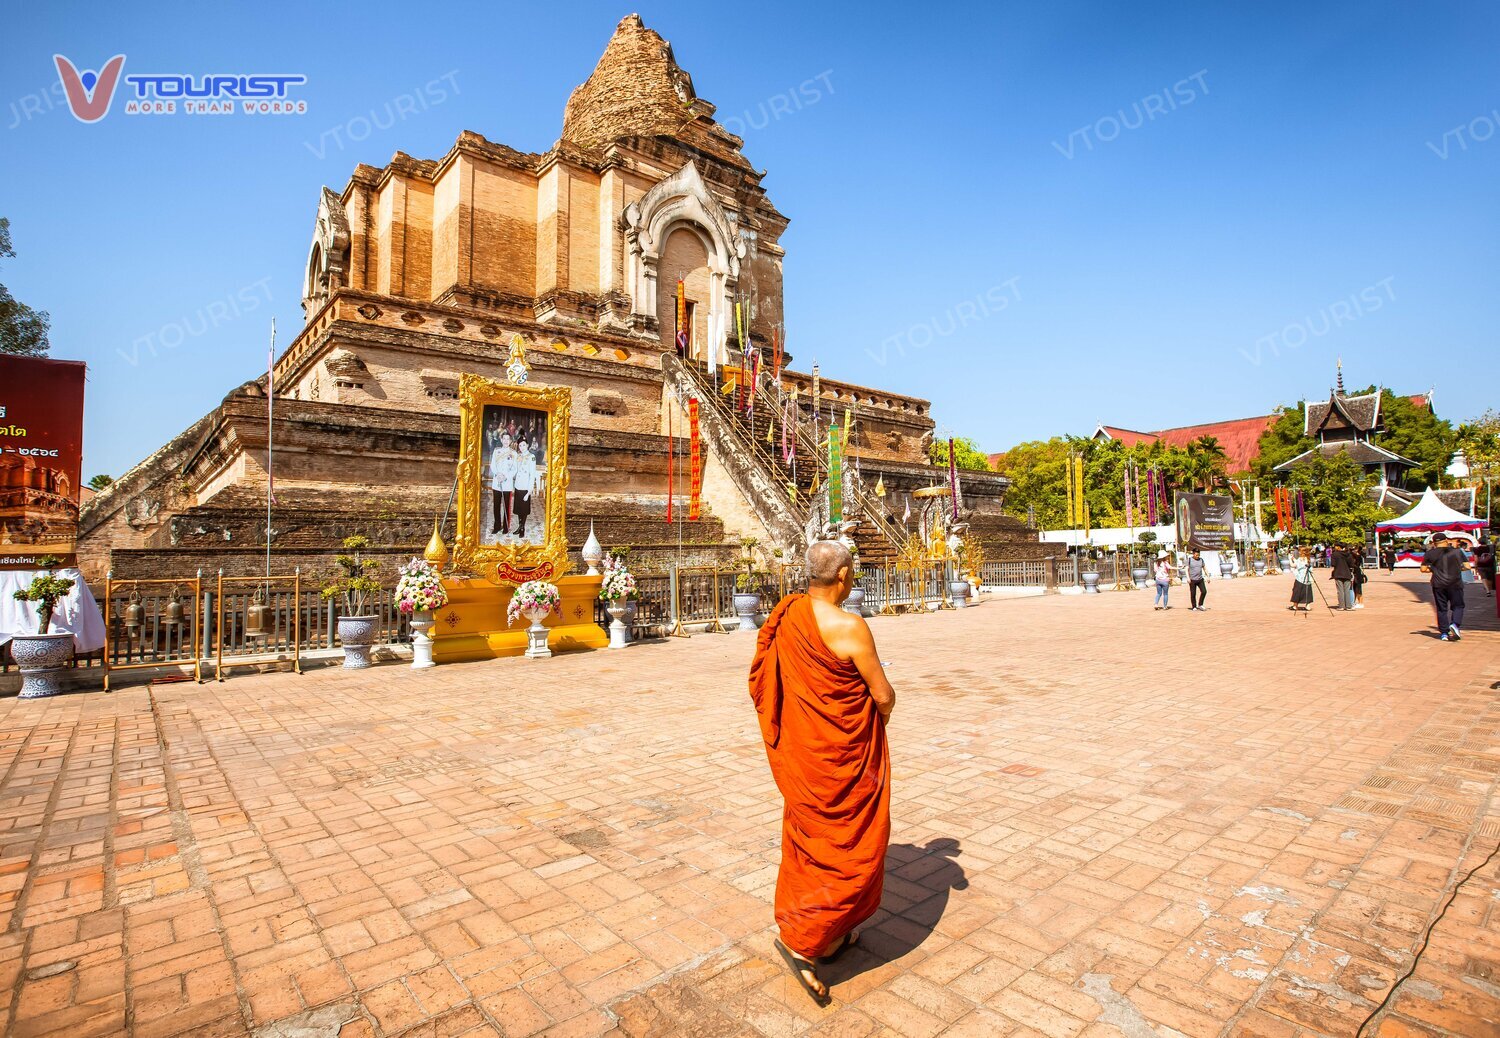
(135, 612)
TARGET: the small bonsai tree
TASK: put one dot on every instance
(354, 581)
(46, 590)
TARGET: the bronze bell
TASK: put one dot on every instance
(135, 614)
(256, 615)
(174, 610)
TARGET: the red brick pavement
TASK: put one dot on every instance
(1107, 821)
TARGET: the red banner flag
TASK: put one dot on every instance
(695, 462)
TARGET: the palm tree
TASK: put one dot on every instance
(1208, 461)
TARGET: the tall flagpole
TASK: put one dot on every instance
(270, 418)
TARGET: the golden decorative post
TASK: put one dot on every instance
(436, 552)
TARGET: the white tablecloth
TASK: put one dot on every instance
(78, 614)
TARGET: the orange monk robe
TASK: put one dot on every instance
(826, 743)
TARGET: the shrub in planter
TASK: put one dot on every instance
(42, 656)
(357, 586)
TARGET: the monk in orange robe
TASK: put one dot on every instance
(823, 701)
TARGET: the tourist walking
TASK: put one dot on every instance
(1388, 559)
(823, 702)
(1302, 581)
(1164, 571)
(1447, 562)
(1357, 585)
(1197, 583)
(1484, 565)
(1343, 575)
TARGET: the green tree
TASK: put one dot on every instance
(1335, 492)
(1036, 470)
(1413, 431)
(1282, 441)
(1207, 463)
(23, 331)
(100, 481)
(1479, 439)
(966, 450)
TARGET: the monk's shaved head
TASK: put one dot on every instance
(825, 559)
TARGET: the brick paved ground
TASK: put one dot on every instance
(1108, 821)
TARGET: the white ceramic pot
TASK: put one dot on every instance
(42, 658)
(958, 593)
(356, 635)
(855, 603)
(1090, 579)
(746, 607)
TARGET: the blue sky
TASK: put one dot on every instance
(1038, 216)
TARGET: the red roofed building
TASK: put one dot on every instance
(1240, 437)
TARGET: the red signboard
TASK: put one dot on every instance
(41, 455)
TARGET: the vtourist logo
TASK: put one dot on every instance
(91, 93)
(205, 319)
(403, 106)
(780, 105)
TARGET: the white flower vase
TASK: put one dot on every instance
(536, 635)
(619, 634)
(421, 639)
(593, 552)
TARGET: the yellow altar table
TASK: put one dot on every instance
(472, 625)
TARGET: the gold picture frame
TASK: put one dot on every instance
(503, 536)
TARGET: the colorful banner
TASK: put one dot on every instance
(41, 457)
(671, 457)
(835, 475)
(682, 324)
(695, 462)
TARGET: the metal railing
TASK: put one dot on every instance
(191, 621)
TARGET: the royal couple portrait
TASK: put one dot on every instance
(515, 470)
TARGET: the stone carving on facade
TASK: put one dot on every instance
(681, 199)
(328, 256)
(346, 369)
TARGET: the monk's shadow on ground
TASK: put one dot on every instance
(918, 881)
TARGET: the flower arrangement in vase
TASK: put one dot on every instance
(419, 591)
(536, 600)
(616, 591)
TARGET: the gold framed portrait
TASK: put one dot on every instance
(512, 480)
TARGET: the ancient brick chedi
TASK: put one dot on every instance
(425, 269)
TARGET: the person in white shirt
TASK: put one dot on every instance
(503, 463)
(525, 483)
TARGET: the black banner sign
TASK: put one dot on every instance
(1205, 522)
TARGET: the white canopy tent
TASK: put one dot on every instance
(1428, 516)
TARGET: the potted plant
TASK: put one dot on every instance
(536, 600)
(1089, 571)
(1258, 557)
(958, 584)
(1139, 571)
(419, 591)
(1226, 565)
(41, 657)
(615, 591)
(747, 588)
(357, 587)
